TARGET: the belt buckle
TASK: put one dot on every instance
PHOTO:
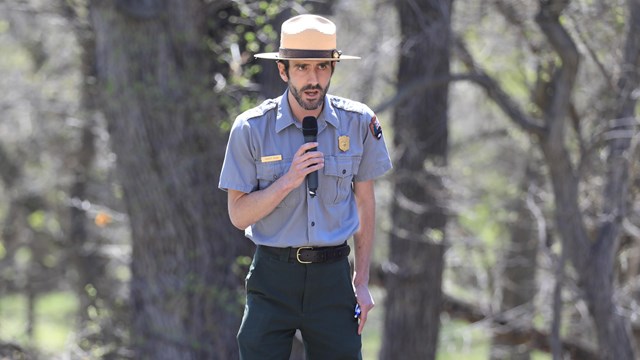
(298, 254)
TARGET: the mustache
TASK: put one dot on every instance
(311, 87)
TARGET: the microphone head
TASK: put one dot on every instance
(309, 126)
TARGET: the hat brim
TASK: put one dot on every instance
(276, 56)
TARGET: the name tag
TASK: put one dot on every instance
(272, 158)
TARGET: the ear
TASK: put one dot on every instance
(283, 74)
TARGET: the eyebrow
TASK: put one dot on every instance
(309, 64)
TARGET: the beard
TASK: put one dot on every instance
(309, 105)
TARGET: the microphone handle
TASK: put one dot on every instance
(311, 138)
(312, 178)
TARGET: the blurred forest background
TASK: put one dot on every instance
(508, 229)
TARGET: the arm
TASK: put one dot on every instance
(247, 208)
(363, 239)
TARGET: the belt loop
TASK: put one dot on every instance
(284, 254)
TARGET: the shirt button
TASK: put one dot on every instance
(313, 223)
(344, 171)
(275, 177)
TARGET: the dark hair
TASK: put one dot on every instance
(286, 66)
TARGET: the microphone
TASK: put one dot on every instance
(310, 132)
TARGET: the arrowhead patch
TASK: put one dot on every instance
(376, 129)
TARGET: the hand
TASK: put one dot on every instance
(304, 163)
(365, 300)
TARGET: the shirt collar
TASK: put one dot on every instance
(285, 118)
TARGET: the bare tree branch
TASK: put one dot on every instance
(592, 52)
(517, 335)
(548, 20)
(9, 170)
(495, 92)
(13, 351)
(511, 329)
(554, 337)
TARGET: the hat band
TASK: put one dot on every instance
(309, 54)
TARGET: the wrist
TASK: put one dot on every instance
(360, 280)
(284, 185)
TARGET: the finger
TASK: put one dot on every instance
(310, 161)
(311, 168)
(305, 147)
(363, 316)
(363, 320)
(312, 155)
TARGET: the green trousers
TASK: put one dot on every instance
(283, 296)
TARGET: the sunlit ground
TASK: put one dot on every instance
(55, 320)
(458, 340)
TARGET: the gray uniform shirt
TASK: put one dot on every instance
(261, 146)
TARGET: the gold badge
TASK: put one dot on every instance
(343, 142)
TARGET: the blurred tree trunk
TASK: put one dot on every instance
(271, 85)
(518, 278)
(153, 69)
(90, 266)
(417, 240)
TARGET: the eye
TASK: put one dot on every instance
(301, 67)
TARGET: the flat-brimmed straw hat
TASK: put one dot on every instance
(307, 37)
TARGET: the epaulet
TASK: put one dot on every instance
(259, 110)
(349, 105)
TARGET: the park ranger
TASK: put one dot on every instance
(300, 278)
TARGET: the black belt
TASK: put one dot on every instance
(309, 254)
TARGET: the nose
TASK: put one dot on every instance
(313, 77)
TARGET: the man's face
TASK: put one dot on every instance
(308, 81)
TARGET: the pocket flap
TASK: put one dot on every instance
(269, 171)
(342, 166)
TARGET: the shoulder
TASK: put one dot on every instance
(366, 117)
(350, 106)
(258, 111)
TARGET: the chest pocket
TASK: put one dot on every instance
(339, 172)
(267, 173)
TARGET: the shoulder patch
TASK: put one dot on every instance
(376, 129)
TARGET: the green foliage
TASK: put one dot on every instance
(23, 256)
(458, 339)
(248, 29)
(14, 57)
(37, 220)
(489, 215)
(53, 327)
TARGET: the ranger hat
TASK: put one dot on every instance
(307, 37)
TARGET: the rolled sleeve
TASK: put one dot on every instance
(239, 169)
(375, 157)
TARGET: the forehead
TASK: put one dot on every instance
(308, 62)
